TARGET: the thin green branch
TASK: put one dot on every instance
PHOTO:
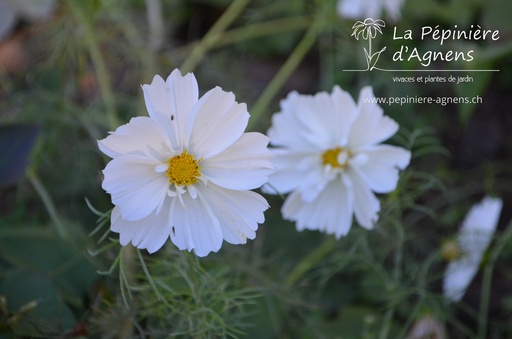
(255, 30)
(387, 323)
(309, 261)
(98, 61)
(213, 35)
(148, 276)
(48, 204)
(485, 296)
(285, 71)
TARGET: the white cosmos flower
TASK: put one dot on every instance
(473, 239)
(185, 171)
(362, 9)
(330, 158)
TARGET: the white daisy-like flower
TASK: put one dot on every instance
(13, 10)
(466, 253)
(329, 156)
(185, 171)
(362, 9)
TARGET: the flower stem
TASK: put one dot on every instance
(422, 285)
(48, 203)
(386, 323)
(255, 30)
(397, 269)
(285, 71)
(156, 26)
(305, 264)
(485, 295)
(213, 35)
(99, 64)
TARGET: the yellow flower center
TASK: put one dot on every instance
(336, 157)
(451, 251)
(183, 169)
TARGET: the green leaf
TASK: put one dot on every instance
(35, 305)
(17, 141)
(64, 264)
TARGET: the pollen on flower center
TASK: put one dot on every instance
(336, 157)
(183, 169)
(451, 251)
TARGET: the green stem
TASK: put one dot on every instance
(285, 71)
(305, 264)
(487, 282)
(100, 67)
(254, 31)
(48, 203)
(386, 323)
(397, 265)
(422, 285)
(213, 35)
(327, 67)
(148, 276)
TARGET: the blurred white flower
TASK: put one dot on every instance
(185, 171)
(12, 10)
(427, 327)
(362, 9)
(330, 158)
(473, 239)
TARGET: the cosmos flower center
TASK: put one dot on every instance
(336, 157)
(183, 169)
(451, 251)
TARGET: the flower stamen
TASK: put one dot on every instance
(336, 157)
(451, 251)
(183, 169)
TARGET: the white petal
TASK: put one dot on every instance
(33, 10)
(184, 96)
(371, 126)
(393, 8)
(474, 237)
(380, 171)
(141, 134)
(134, 185)
(458, 276)
(366, 204)
(244, 165)
(483, 217)
(7, 19)
(286, 129)
(301, 124)
(354, 9)
(326, 118)
(239, 212)
(126, 229)
(149, 233)
(170, 103)
(331, 212)
(291, 170)
(195, 226)
(219, 122)
(183, 93)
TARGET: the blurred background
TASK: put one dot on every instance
(70, 71)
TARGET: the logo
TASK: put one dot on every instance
(368, 29)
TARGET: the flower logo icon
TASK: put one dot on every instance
(367, 30)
